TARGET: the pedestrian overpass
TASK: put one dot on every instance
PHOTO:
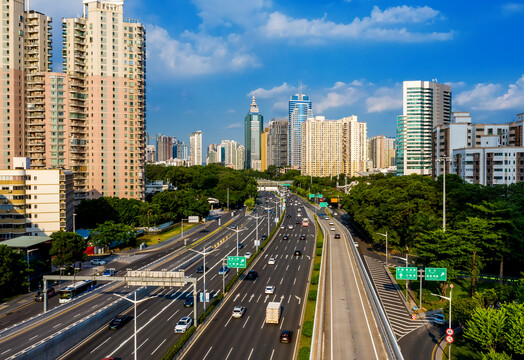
(271, 185)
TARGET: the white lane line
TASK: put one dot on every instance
(281, 281)
(5, 351)
(276, 266)
(258, 298)
(141, 313)
(94, 306)
(289, 298)
(263, 322)
(33, 337)
(251, 353)
(287, 267)
(244, 297)
(298, 268)
(140, 346)
(228, 321)
(173, 315)
(57, 325)
(282, 323)
(213, 277)
(95, 349)
(207, 353)
(158, 346)
(268, 280)
(246, 322)
(77, 315)
(272, 353)
(229, 353)
(264, 266)
(294, 281)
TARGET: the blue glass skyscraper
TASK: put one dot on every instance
(299, 111)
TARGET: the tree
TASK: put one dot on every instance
(67, 248)
(514, 334)
(486, 328)
(107, 233)
(13, 271)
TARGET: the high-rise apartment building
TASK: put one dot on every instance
(299, 111)
(382, 152)
(213, 155)
(231, 154)
(253, 124)
(150, 153)
(263, 149)
(165, 147)
(277, 143)
(426, 104)
(195, 148)
(354, 145)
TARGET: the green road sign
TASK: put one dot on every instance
(236, 262)
(436, 274)
(287, 185)
(323, 204)
(407, 273)
(311, 196)
(319, 196)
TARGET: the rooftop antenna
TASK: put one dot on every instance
(300, 88)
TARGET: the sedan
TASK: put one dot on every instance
(282, 227)
(238, 312)
(297, 222)
(332, 228)
(290, 227)
(271, 261)
(264, 237)
(251, 275)
(297, 253)
(200, 269)
(183, 325)
(286, 336)
(190, 301)
(223, 270)
(248, 255)
(97, 262)
(439, 319)
(270, 289)
(118, 322)
(302, 237)
(240, 245)
(337, 236)
(285, 237)
(326, 218)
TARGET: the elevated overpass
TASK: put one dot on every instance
(271, 185)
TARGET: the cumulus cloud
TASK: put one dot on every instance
(512, 8)
(339, 95)
(274, 92)
(58, 9)
(235, 125)
(195, 53)
(455, 85)
(379, 26)
(385, 99)
(231, 12)
(493, 96)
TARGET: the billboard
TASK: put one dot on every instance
(193, 219)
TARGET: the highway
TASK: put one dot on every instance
(21, 337)
(250, 337)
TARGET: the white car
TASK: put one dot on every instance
(332, 228)
(98, 262)
(271, 261)
(282, 227)
(248, 255)
(331, 223)
(270, 289)
(290, 227)
(183, 324)
(238, 312)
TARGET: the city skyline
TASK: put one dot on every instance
(207, 58)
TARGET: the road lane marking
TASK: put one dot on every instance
(95, 349)
(57, 325)
(281, 281)
(258, 298)
(33, 337)
(159, 346)
(287, 267)
(251, 353)
(298, 268)
(294, 281)
(272, 353)
(77, 315)
(141, 313)
(207, 353)
(173, 315)
(5, 351)
(289, 298)
(246, 322)
(268, 280)
(243, 297)
(229, 353)
(140, 346)
(282, 323)
(228, 321)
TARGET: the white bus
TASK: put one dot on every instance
(72, 291)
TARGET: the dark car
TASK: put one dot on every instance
(251, 275)
(264, 237)
(190, 301)
(297, 222)
(286, 336)
(40, 295)
(337, 236)
(200, 269)
(240, 245)
(289, 216)
(297, 252)
(302, 237)
(118, 322)
(285, 237)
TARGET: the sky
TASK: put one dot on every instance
(206, 58)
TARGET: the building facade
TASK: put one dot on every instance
(299, 111)
(426, 104)
(195, 148)
(382, 152)
(253, 124)
(277, 143)
(263, 149)
(213, 155)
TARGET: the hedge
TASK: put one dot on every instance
(178, 345)
(303, 353)
(307, 328)
(312, 295)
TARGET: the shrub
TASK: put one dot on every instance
(303, 353)
(319, 252)
(320, 244)
(179, 344)
(307, 328)
(312, 295)
(314, 280)
(316, 266)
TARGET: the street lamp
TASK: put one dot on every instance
(257, 238)
(449, 299)
(28, 279)
(203, 253)
(134, 302)
(386, 235)
(267, 209)
(444, 159)
(182, 225)
(74, 222)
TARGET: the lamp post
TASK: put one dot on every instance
(203, 253)
(74, 222)
(444, 159)
(182, 225)
(267, 209)
(28, 279)
(257, 238)
(449, 299)
(386, 235)
(134, 302)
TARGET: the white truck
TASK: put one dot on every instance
(273, 313)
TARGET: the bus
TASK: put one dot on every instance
(72, 291)
(305, 222)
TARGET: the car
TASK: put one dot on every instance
(297, 222)
(302, 237)
(109, 272)
(118, 322)
(286, 336)
(240, 245)
(356, 243)
(183, 324)
(233, 226)
(289, 216)
(335, 214)
(251, 275)
(331, 223)
(264, 237)
(439, 319)
(40, 295)
(326, 218)
(337, 236)
(223, 270)
(238, 312)
(332, 228)
(297, 252)
(282, 227)
(98, 262)
(200, 269)
(248, 255)
(285, 237)
(271, 261)
(190, 301)
(290, 227)
(270, 289)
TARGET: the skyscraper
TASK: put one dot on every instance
(253, 124)
(195, 148)
(299, 111)
(426, 104)
(277, 143)
(382, 151)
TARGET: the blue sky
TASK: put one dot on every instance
(206, 58)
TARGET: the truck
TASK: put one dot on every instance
(273, 312)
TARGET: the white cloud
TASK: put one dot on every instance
(58, 9)
(231, 111)
(512, 8)
(195, 53)
(231, 12)
(274, 92)
(455, 85)
(493, 97)
(339, 95)
(385, 99)
(235, 125)
(377, 27)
